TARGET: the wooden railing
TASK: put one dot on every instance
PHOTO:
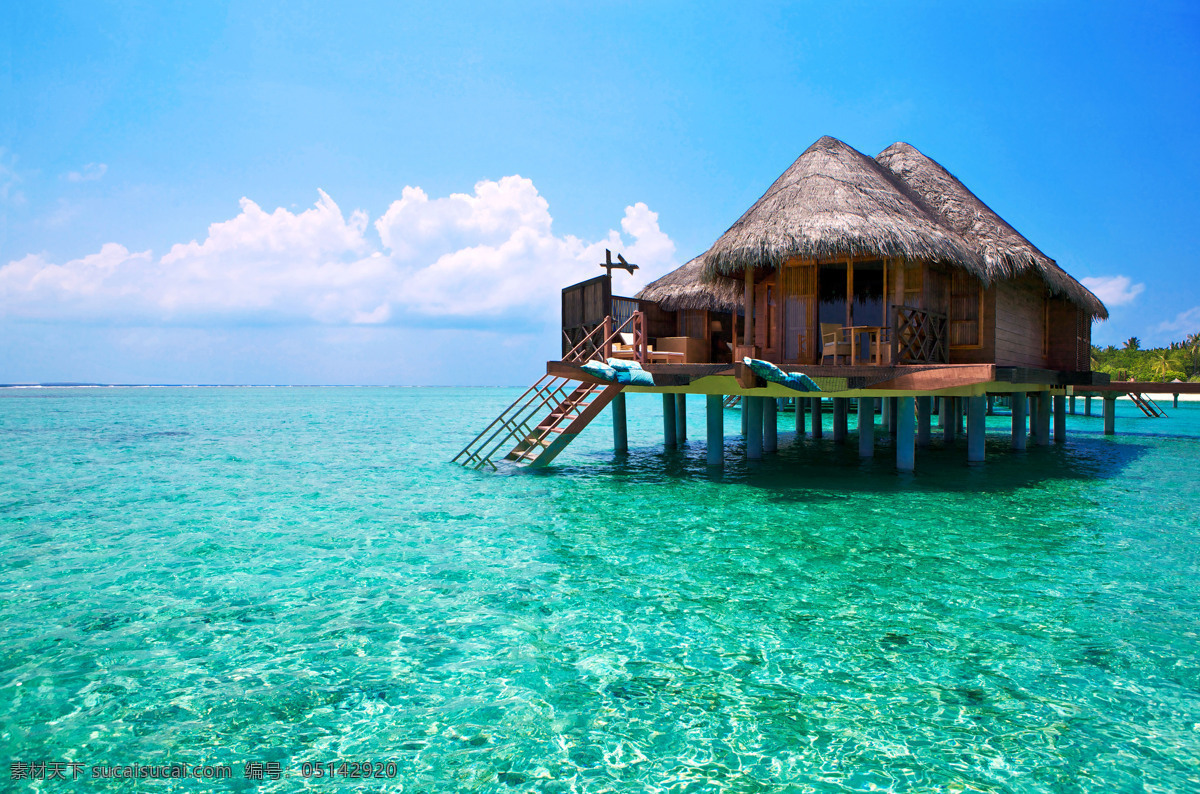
(919, 336)
(598, 343)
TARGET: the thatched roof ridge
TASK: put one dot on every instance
(1005, 252)
(835, 201)
(685, 288)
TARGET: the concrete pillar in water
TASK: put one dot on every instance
(893, 414)
(991, 405)
(976, 428)
(680, 418)
(620, 428)
(770, 424)
(1174, 401)
(1060, 418)
(817, 421)
(1018, 420)
(906, 453)
(885, 413)
(950, 428)
(960, 410)
(745, 415)
(801, 406)
(1087, 405)
(1110, 415)
(669, 426)
(942, 410)
(924, 407)
(841, 406)
(1043, 419)
(1071, 407)
(716, 429)
(754, 426)
(866, 428)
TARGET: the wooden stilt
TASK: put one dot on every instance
(1060, 418)
(817, 420)
(754, 426)
(906, 453)
(976, 428)
(1043, 419)
(669, 427)
(770, 424)
(866, 429)
(680, 418)
(841, 406)
(1018, 420)
(620, 428)
(1110, 415)
(716, 429)
(924, 407)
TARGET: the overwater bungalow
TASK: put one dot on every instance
(864, 282)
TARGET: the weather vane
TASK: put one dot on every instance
(608, 264)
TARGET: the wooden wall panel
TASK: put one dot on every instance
(1020, 320)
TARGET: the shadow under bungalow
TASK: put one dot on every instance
(884, 281)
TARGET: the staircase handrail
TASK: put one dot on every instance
(635, 323)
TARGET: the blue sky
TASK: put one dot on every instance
(387, 193)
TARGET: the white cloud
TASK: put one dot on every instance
(1186, 321)
(89, 173)
(1113, 290)
(458, 261)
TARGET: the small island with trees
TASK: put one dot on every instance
(1177, 361)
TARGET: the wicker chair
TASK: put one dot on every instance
(834, 342)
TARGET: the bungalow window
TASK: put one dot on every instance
(966, 310)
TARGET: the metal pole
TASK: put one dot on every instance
(770, 424)
(620, 428)
(906, 453)
(716, 429)
(754, 427)
(669, 426)
(840, 407)
(976, 428)
(1019, 424)
(924, 407)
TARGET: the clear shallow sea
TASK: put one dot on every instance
(298, 575)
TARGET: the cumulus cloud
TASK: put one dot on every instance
(489, 257)
(89, 173)
(1187, 322)
(1113, 290)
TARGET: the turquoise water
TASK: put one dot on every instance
(216, 576)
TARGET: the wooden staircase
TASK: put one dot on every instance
(572, 406)
(1148, 406)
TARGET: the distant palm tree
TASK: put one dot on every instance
(1192, 344)
(1163, 364)
(1133, 343)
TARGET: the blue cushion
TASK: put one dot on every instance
(796, 381)
(598, 369)
(635, 377)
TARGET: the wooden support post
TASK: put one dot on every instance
(817, 421)
(924, 407)
(906, 453)
(1072, 406)
(866, 428)
(1019, 424)
(1110, 415)
(950, 428)
(1087, 405)
(754, 426)
(680, 418)
(1043, 419)
(669, 426)
(770, 424)
(716, 429)
(620, 428)
(801, 406)
(841, 406)
(1060, 418)
(976, 428)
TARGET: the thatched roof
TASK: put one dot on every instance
(1005, 252)
(835, 201)
(685, 288)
